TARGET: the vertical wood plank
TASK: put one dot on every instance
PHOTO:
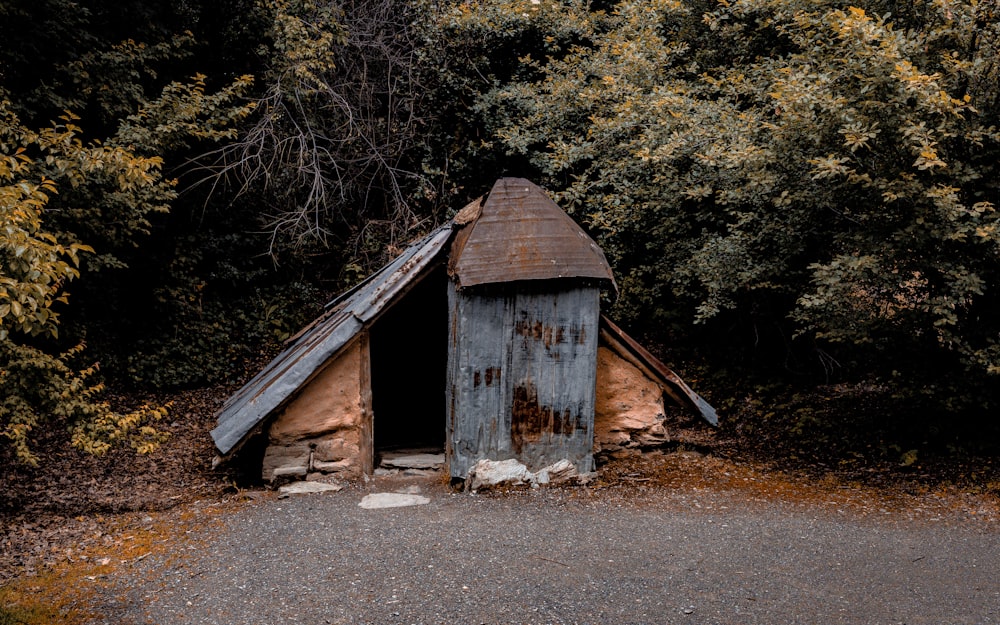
(479, 334)
(366, 429)
(522, 370)
(554, 359)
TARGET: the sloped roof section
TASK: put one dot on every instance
(305, 356)
(625, 346)
(521, 234)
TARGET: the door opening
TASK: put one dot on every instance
(409, 355)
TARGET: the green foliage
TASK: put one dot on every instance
(221, 336)
(72, 206)
(185, 116)
(42, 388)
(306, 36)
(112, 79)
(34, 265)
(805, 166)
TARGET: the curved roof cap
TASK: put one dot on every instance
(521, 234)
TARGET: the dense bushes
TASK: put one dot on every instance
(802, 190)
(76, 202)
(810, 175)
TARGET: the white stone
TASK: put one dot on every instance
(497, 472)
(333, 467)
(304, 488)
(558, 473)
(421, 472)
(392, 500)
(413, 461)
(289, 471)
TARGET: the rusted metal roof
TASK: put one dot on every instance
(521, 234)
(626, 347)
(345, 317)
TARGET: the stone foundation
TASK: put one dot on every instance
(628, 413)
(324, 431)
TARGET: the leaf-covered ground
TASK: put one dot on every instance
(62, 507)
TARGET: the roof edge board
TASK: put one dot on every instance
(670, 382)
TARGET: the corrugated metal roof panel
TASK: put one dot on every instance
(521, 234)
(344, 319)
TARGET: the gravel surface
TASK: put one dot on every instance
(575, 555)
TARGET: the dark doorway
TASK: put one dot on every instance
(409, 357)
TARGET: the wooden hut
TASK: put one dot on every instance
(524, 311)
(481, 339)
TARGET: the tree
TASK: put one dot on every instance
(807, 172)
(71, 207)
(35, 266)
(332, 140)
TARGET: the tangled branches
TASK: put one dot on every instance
(331, 143)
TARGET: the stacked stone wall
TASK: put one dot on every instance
(321, 432)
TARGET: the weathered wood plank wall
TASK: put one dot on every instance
(522, 371)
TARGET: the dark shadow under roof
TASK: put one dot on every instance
(670, 382)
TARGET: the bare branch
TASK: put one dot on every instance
(330, 151)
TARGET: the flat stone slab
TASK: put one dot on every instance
(413, 461)
(305, 488)
(392, 500)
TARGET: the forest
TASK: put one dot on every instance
(798, 197)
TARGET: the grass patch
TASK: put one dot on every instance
(55, 597)
(13, 615)
(65, 592)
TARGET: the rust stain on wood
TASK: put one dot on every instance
(531, 421)
(549, 335)
(488, 376)
(491, 374)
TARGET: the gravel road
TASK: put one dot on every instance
(563, 556)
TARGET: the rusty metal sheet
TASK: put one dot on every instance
(626, 347)
(521, 234)
(554, 376)
(522, 374)
(346, 316)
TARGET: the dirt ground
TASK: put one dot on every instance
(73, 511)
(63, 506)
